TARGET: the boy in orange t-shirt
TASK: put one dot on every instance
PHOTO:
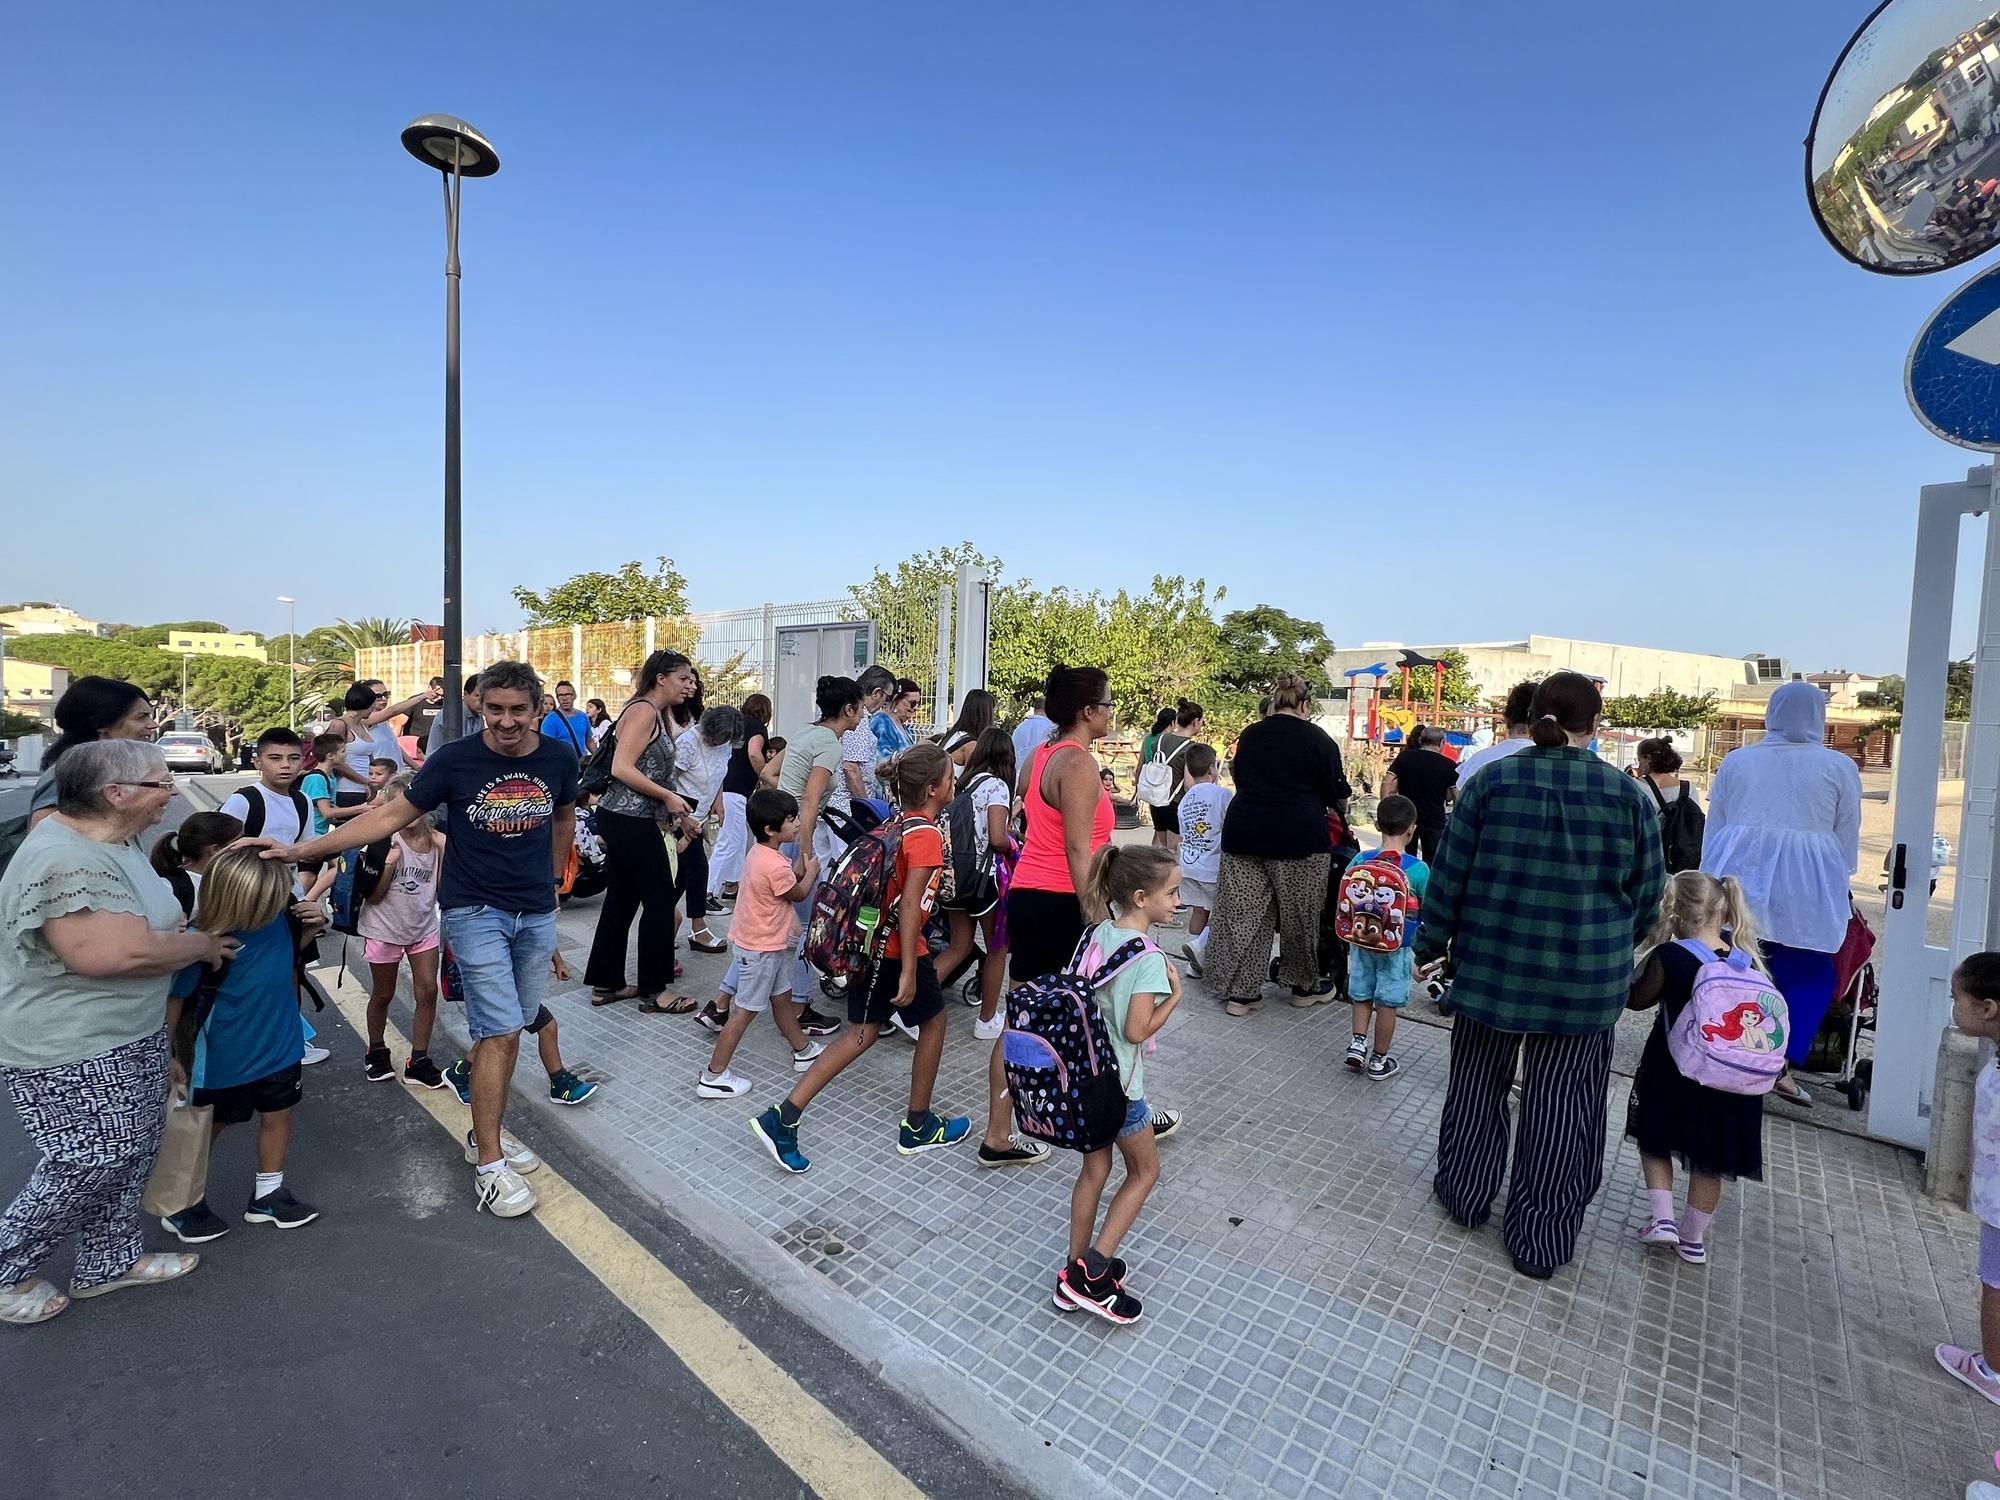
(923, 778)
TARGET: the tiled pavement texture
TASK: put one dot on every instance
(1315, 1325)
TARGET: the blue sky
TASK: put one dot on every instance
(1429, 322)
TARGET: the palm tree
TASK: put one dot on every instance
(327, 676)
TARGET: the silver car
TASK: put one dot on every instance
(190, 752)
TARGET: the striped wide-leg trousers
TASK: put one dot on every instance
(1558, 1148)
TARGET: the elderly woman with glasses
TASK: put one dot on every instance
(89, 938)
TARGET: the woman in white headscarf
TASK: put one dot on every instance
(1784, 818)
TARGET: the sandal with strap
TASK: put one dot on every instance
(35, 1303)
(147, 1270)
(711, 946)
(612, 997)
(671, 1005)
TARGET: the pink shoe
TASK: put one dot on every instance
(1959, 1363)
(1660, 1232)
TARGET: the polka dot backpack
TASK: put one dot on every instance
(1061, 1072)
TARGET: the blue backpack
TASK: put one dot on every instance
(1057, 1055)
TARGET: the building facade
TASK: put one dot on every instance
(213, 643)
(32, 687)
(47, 619)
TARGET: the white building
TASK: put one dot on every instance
(1625, 670)
(47, 619)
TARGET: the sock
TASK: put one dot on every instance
(1694, 1224)
(1662, 1200)
(491, 1167)
(1983, 1369)
(418, 1052)
(789, 1113)
(1361, 1037)
(268, 1183)
(1095, 1266)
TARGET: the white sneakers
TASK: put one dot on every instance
(802, 1061)
(518, 1157)
(987, 1031)
(314, 1054)
(727, 1084)
(504, 1194)
(896, 1020)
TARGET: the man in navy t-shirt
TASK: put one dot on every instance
(509, 796)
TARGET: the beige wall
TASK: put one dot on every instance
(213, 643)
(33, 687)
(1497, 665)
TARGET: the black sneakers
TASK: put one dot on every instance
(1102, 1295)
(377, 1065)
(279, 1207)
(813, 1023)
(195, 1226)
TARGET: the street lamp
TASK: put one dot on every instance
(458, 151)
(292, 646)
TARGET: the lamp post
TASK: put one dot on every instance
(458, 151)
(186, 719)
(292, 648)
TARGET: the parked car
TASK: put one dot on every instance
(191, 752)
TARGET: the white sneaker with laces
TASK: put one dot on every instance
(517, 1156)
(1357, 1053)
(1660, 1232)
(314, 1054)
(896, 1020)
(801, 1061)
(988, 1031)
(727, 1084)
(504, 1194)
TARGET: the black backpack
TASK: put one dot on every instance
(360, 873)
(253, 816)
(969, 853)
(1682, 827)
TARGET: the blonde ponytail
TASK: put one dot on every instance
(1118, 873)
(1693, 900)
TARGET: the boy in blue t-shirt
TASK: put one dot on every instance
(249, 1046)
(1379, 983)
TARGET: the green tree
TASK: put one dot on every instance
(1262, 641)
(593, 598)
(1035, 629)
(13, 725)
(904, 604)
(1160, 646)
(245, 695)
(1664, 709)
(156, 635)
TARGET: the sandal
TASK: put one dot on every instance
(612, 997)
(711, 946)
(673, 1005)
(147, 1270)
(1797, 1094)
(37, 1304)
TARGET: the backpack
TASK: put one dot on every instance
(1157, 778)
(1731, 1034)
(1375, 906)
(594, 780)
(968, 855)
(849, 921)
(355, 881)
(1682, 826)
(253, 813)
(1061, 1071)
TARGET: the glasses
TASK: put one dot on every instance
(158, 786)
(380, 697)
(1106, 704)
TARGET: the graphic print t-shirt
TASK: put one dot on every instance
(499, 809)
(922, 846)
(1201, 831)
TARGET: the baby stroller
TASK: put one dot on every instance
(1836, 1049)
(1332, 951)
(586, 873)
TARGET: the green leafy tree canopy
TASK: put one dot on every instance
(631, 593)
(156, 635)
(903, 604)
(1664, 709)
(1262, 641)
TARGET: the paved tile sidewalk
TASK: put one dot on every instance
(1315, 1325)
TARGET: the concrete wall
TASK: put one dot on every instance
(1497, 665)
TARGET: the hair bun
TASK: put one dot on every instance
(1548, 732)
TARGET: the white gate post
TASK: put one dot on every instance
(942, 710)
(973, 631)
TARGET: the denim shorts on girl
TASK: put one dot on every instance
(1138, 1117)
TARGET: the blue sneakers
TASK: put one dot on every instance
(566, 1088)
(929, 1132)
(459, 1076)
(780, 1139)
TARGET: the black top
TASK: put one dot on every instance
(1671, 1115)
(501, 816)
(741, 777)
(1287, 773)
(1425, 776)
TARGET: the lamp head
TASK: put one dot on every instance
(433, 139)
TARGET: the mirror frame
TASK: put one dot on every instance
(1812, 198)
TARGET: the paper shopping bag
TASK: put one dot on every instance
(180, 1172)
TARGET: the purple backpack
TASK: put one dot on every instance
(1731, 1034)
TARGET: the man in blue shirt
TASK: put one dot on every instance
(509, 796)
(568, 725)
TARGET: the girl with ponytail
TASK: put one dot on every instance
(183, 854)
(1716, 1135)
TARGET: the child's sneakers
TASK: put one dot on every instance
(802, 1061)
(279, 1207)
(1966, 1365)
(421, 1071)
(814, 1023)
(931, 1132)
(196, 1225)
(711, 1017)
(1115, 1269)
(566, 1088)
(376, 1066)
(1660, 1232)
(1694, 1252)
(727, 1084)
(780, 1139)
(1166, 1122)
(1101, 1295)
(1383, 1066)
(1357, 1053)
(459, 1076)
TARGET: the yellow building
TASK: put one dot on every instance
(32, 687)
(213, 643)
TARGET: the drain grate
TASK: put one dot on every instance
(809, 1238)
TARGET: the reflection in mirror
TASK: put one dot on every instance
(1903, 163)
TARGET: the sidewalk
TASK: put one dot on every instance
(1316, 1326)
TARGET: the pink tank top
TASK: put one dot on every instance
(1044, 862)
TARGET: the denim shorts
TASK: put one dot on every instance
(1379, 978)
(503, 957)
(1138, 1115)
(760, 976)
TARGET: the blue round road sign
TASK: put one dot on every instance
(1953, 377)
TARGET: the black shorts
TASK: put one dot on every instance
(1043, 929)
(266, 1096)
(874, 1007)
(1166, 819)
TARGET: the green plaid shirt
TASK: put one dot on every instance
(1548, 877)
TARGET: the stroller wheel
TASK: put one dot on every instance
(832, 988)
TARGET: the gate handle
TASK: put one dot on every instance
(1899, 872)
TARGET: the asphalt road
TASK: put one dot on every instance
(405, 1345)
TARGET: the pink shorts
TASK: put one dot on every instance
(378, 952)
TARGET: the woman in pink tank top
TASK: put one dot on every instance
(1069, 819)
